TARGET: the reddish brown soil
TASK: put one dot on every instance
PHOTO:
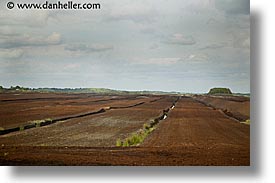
(17, 110)
(100, 130)
(193, 134)
(235, 106)
(134, 156)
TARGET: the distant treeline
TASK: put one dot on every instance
(213, 91)
(79, 90)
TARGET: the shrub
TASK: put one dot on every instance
(146, 126)
(118, 143)
(247, 122)
(38, 122)
(48, 119)
(125, 143)
(137, 137)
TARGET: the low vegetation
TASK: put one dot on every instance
(119, 143)
(247, 122)
(21, 128)
(136, 138)
(39, 122)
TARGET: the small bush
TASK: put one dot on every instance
(125, 143)
(247, 122)
(146, 126)
(137, 137)
(119, 143)
(21, 128)
(38, 122)
(48, 119)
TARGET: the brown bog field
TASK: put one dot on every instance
(84, 129)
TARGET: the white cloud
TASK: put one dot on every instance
(158, 61)
(240, 38)
(194, 58)
(246, 43)
(54, 38)
(24, 18)
(71, 66)
(7, 31)
(11, 53)
(180, 39)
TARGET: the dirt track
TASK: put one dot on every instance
(193, 134)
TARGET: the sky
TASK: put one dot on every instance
(175, 45)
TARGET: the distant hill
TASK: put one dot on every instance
(218, 91)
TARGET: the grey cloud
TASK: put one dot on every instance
(242, 43)
(11, 53)
(233, 6)
(24, 18)
(214, 46)
(7, 31)
(212, 21)
(88, 48)
(246, 43)
(195, 58)
(179, 39)
(29, 40)
(137, 18)
(148, 30)
(137, 12)
(240, 39)
(154, 46)
(135, 29)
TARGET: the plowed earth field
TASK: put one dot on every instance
(192, 134)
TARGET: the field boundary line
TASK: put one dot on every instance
(226, 113)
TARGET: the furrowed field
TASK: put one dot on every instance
(91, 129)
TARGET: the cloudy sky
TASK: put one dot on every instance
(175, 45)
